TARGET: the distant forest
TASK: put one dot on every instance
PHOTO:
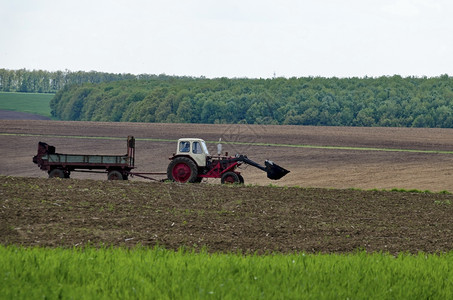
(384, 101)
(39, 81)
(390, 101)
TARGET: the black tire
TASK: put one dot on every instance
(230, 178)
(115, 175)
(241, 179)
(57, 173)
(182, 169)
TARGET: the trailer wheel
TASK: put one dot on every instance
(182, 169)
(230, 178)
(115, 175)
(57, 173)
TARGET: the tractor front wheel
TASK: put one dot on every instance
(231, 178)
(241, 179)
(182, 169)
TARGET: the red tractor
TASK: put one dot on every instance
(192, 163)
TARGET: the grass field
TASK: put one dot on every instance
(26, 102)
(156, 273)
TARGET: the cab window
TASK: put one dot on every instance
(184, 146)
(196, 148)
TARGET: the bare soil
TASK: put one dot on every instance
(16, 115)
(35, 210)
(68, 213)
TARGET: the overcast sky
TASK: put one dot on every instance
(230, 38)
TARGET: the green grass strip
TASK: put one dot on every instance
(337, 147)
(156, 273)
(241, 143)
(85, 137)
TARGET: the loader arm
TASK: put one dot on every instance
(273, 170)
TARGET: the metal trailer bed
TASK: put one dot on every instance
(61, 165)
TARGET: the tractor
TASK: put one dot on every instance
(192, 163)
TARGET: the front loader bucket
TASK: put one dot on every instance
(274, 171)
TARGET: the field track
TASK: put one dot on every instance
(327, 157)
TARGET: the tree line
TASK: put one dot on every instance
(39, 81)
(384, 101)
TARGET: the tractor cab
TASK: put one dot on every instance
(195, 148)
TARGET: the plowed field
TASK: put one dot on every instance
(55, 212)
(351, 164)
(37, 211)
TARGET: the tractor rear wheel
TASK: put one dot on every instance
(231, 178)
(182, 169)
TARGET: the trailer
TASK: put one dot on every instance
(190, 163)
(117, 167)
